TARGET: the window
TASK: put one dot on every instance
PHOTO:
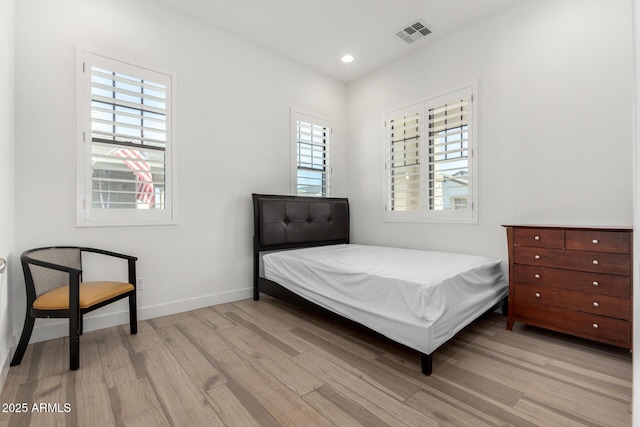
(430, 160)
(312, 171)
(126, 148)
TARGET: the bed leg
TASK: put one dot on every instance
(427, 364)
(505, 306)
(256, 266)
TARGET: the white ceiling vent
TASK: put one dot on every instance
(414, 31)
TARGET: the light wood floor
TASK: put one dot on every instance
(267, 363)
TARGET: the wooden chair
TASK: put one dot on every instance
(53, 279)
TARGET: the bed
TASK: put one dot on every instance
(421, 299)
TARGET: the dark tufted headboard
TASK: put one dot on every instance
(295, 221)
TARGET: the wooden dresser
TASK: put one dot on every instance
(574, 280)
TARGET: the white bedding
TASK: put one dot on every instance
(417, 298)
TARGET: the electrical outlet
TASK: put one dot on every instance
(140, 283)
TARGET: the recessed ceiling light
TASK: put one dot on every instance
(347, 58)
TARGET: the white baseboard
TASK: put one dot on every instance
(51, 328)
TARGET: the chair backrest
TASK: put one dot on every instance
(46, 279)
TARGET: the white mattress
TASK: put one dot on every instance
(417, 298)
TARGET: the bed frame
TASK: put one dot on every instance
(289, 222)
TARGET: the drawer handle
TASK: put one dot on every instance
(595, 326)
(595, 262)
(536, 238)
(537, 276)
(596, 283)
(537, 257)
(538, 295)
(595, 304)
(595, 241)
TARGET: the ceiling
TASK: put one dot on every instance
(318, 33)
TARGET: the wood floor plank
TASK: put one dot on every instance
(234, 394)
(543, 387)
(202, 334)
(286, 407)
(145, 339)
(612, 386)
(448, 415)
(340, 410)
(192, 361)
(8, 396)
(599, 365)
(92, 405)
(135, 404)
(362, 392)
(116, 358)
(329, 332)
(540, 358)
(576, 375)
(164, 321)
(279, 329)
(466, 397)
(465, 380)
(589, 354)
(213, 318)
(260, 312)
(541, 414)
(271, 307)
(288, 317)
(233, 412)
(387, 380)
(182, 402)
(274, 338)
(49, 358)
(45, 401)
(477, 404)
(272, 360)
(104, 334)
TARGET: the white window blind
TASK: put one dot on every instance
(311, 155)
(128, 144)
(403, 158)
(449, 154)
(429, 163)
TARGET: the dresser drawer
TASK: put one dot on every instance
(596, 262)
(599, 241)
(538, 237)
(602, 305)
(603, 284)
(591, 326)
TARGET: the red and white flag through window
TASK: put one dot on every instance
(137, 162)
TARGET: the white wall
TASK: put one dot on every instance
(7, 172)
(234, 104)
(554, 122)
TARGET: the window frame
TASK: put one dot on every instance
(423, 213)
(86, 214)
(313, 119)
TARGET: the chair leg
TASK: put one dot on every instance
(74, 341)
(27, 329)
(81, 324)
(133, 314)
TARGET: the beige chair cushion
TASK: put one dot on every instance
(91, 293)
